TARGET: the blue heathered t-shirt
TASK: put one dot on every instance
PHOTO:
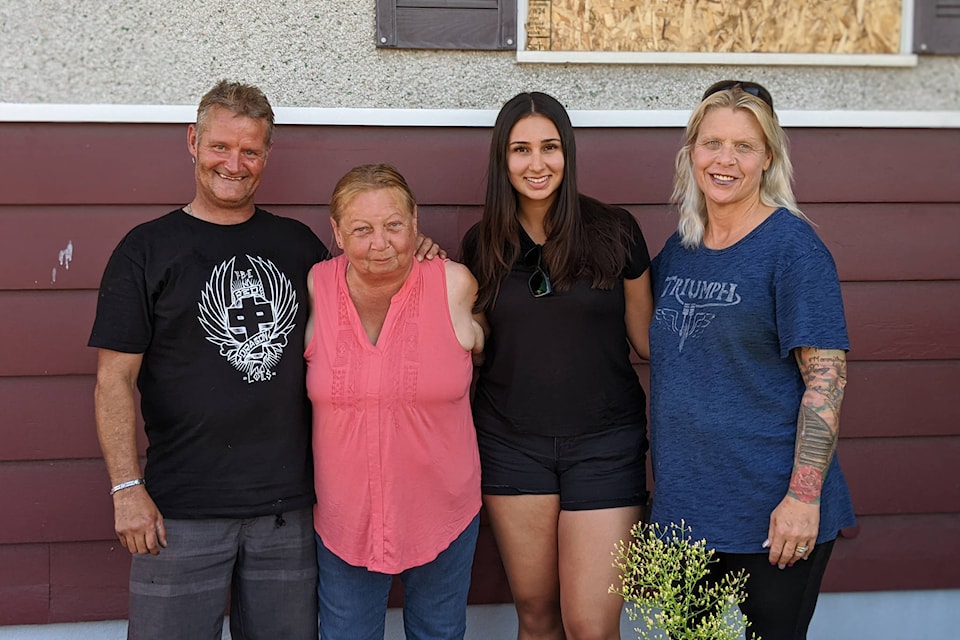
(725, 388)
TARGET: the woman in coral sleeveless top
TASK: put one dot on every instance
(389, 364)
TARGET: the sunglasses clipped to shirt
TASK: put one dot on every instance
(539, 281)
(752, 88)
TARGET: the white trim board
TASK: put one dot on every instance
(751, 59)
(116, 113)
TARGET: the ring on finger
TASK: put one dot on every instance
(801, 550)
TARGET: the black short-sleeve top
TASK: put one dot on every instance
(218, 312)
(559, 365)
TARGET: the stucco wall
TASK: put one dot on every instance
(321, 53)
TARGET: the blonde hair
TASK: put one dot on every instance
(370, 177)
(775, 185)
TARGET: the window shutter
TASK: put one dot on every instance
(936, 26)
(447, 24)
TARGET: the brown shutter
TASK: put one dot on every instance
(447, 24)
(936, 27)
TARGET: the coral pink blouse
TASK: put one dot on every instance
(395, 451)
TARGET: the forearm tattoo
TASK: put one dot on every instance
(824, 373)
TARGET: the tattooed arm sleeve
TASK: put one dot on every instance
(824, 373)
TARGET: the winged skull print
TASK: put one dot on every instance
(248, 314)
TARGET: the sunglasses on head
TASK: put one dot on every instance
(752, 88)
(538, 282)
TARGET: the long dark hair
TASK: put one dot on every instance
(577, 245)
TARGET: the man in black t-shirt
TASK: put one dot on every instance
(203, 310)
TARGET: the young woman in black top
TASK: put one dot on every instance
(560, 413)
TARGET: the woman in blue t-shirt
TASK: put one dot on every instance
(748, 364)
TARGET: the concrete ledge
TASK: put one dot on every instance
(884, 615)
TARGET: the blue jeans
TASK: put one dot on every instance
(353, 600)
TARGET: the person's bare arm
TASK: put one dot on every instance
(482, 329)
(137, 520)
(311, 297)
(639, 302)
(461, 296)
(795, 523)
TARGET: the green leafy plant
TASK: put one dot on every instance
(662, 580)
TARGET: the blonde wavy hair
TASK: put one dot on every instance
(775, 185)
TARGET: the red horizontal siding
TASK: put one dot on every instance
(626, 165)
(66, 500)
(880, 471)
(875, 242)
(891, 220)
(876, 165)
(45, 333)
(95, 164)
(24, 583)
(49, 418)
(30, 252)
(76, 581)
(88, 581)
(903, 321)
(886, 241)
(48, 331)
(658, 222)
(897, 398)
(64, 582)
(448, 165)
(894, 553)
(443, 166)
(56, 501)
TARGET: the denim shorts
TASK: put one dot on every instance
(601, 470)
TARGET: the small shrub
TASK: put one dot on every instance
(662, 580)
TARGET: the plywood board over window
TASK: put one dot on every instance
(834, 31)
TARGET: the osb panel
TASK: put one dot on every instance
(715, 26)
